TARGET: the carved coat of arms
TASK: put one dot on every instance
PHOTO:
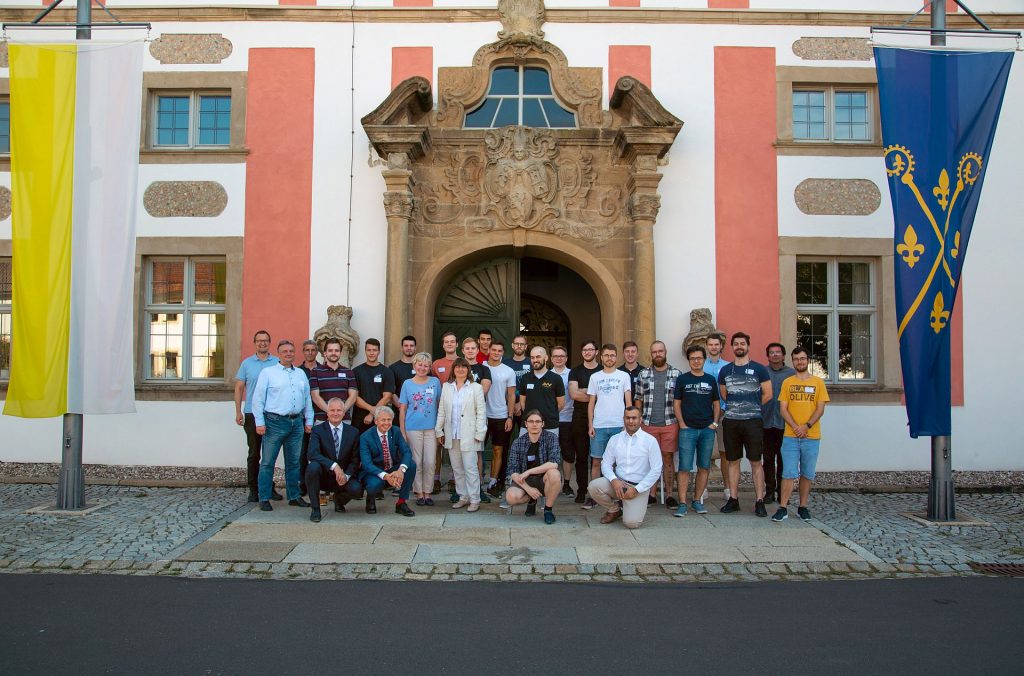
(521, 177)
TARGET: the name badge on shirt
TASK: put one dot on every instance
(529, 386)
(440, 369)
(429, 390)
(750, 372)
(378, 379)
(531, 458)
(526, 366)
(809, 390)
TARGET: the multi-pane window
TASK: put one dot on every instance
(185, 309)
(831, 114)
(836, 317)
(520, 95)
(5, 318)
(191, 119)
(5, 126)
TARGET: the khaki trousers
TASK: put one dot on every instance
(633, 511)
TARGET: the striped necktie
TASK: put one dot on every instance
(337, 440)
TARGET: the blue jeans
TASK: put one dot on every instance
(287, 432)
(799, 457)
(601, 437)
(696, 444)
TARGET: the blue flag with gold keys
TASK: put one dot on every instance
(939, 110)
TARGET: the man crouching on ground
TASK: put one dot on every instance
(533, 463)
(630, 466)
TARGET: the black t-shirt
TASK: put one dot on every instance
(373, 382)
(632, 376)
(581, 375)
(533, 455)
(541, 394)
(480, 373)
(697, 395)
(401, 372)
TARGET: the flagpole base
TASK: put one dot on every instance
(941, 498)
(71, 483)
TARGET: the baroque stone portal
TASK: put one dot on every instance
(585, 196)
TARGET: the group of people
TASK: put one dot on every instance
(619, 428)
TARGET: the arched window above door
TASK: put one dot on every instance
(520, 95)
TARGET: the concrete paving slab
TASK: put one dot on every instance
(351, 553)
(717, 554)
(355, 516)
(256, 552)
(496, 520)
(772, 554)
(658, 521)
(481, 537)
(662, 537)
(336, 531)
(577, 537)
(485, 555)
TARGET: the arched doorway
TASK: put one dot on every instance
(547, 301)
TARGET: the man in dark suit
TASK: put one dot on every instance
(387, 461)
(333, 460)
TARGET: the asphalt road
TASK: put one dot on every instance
(101, 624)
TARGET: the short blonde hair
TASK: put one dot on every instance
(422, 356)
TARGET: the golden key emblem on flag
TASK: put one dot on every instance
(899, 162)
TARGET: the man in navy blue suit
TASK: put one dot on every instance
(387, 461)
(333, 460)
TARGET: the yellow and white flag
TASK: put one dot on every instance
(74, 172)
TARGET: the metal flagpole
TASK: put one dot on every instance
(71, 483)
(941, 499)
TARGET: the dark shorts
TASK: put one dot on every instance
(743, 434)
(565, 444)
(496, 432)
(536, 481)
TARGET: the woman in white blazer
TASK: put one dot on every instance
(461, 428)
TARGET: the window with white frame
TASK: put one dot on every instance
(5, 318)
(191, 119)
(520, 95)
(185, 318)
(832, 114)
(836, 316)
(5, 126)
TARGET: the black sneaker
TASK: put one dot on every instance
(531, 509)
(254, 497)
(567, 490)
(651, 499)
(759, 508)
(265, 506)
(731, 505)
(671, 503)
(803, 513)
(274, 495)
(781, 514)
(495, 490)
(484, 497)
(581, 497)
(769, 499)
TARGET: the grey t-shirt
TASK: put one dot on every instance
(743, 389)
(770, 412)
(658, 412)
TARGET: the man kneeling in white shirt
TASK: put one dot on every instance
(630, 466)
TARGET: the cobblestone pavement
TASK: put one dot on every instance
(135, 524)
(879, 524)
(141, 531)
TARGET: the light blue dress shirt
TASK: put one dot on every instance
(284, 391)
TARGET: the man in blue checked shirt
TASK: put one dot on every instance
(283, 412)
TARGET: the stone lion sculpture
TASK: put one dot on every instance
(339, 326)
(701, 327)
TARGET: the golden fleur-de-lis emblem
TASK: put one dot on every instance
(941, 191)
(955, 251)
(940, 315)
(910, 248)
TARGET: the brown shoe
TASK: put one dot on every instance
(611, 516)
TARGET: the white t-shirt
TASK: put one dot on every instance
(502, 378)
(610, 389)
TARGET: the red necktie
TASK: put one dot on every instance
(387, 453)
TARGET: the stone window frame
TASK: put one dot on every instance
(229, 248)
(832, 308)
(794, 78)
(829, 92)
(888, 385)
(6, 309)
(155, 84)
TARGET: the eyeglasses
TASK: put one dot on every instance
(534, 421)
(696, 357)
